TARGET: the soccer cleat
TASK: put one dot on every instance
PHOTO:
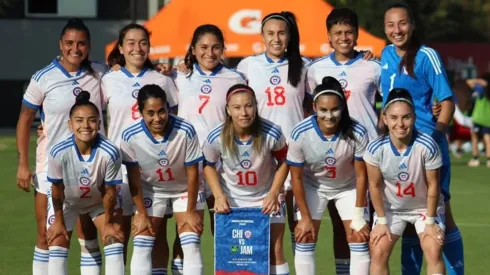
(474, 163)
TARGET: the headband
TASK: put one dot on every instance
(238, 91)
(275, 16)
(397, 100)
(327, 92)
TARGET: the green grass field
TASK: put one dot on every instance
(470, 191)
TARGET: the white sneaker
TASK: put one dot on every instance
(474, 163)
(488, 163)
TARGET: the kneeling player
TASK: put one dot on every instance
(161, 153)
(249, 177)
(403, 169)
(84, 170)
(325, 157)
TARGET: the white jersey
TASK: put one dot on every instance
(278, 101)
(328, 162)
(248, 175)
(120, 93)
(162, 163)
(405, 184)
(360, 80)
(84, 176)
(53, 91)
(203, 97)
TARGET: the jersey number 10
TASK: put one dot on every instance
(247, 178)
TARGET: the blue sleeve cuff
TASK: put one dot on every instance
(54, 180)
(30, 105)
(359, 158)
(113, 182)
(173, 108)
(297, 164)
(130, 163)
(190, 163)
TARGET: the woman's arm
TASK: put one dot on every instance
(24, 124)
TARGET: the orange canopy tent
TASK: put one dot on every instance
(172, 27)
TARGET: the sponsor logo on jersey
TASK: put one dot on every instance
(403, 166)
(342, 74)
(84, 171)
(85, 181)
(206, 89)
(76, 91)
(163, 162)
(136, 84)
(275, 80)
(75, 82)
(245, 154)
(135, 94)
(275, 71)
(330, 151)
(246, 164)
(403, 176)
(330, 161)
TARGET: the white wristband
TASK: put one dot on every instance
(358, 222)
(430, 220)
(382, 220)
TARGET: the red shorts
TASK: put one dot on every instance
(459, 132)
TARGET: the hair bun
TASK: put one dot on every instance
(328, 80)
(83, 97)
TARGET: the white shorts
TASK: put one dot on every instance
(157, 207)
(70, 214)
(317, 201)
(278, 217)
(124, 197)
(41, 182)
(397, 221)
(288, 186)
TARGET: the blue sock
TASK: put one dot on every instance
(453, 252)
(412, 255)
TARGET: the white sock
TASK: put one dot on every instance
(342, 266)
(293, 243)
(304, 259)
(40, 262)
(159, 271)
(191, 246)
(141, 259)
(58, 257)
(282, 269)
(90, 257)
(177, 267)
(360, 259)
(114, 259)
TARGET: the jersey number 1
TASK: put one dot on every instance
(276, 96)
(408, 191)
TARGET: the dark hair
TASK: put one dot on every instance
(398, 94)
(414, 44)
(150, 91)
(463, 95)
(199, 32)
(345, 123)
(115, 57)
(77, 24)
(228, 132)
(342, 16)
(295, 68)
(83, 99)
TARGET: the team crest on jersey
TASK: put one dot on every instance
(403, 176)
(148, 202)
(135, 93)
(206, 89)
(248, 234)
(76, 91)
(246, 164)
(343, 83)
(275, 79)
(84, 181)
(163, 162)
(330, 161)
(51, 220)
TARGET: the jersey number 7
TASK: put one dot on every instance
(205, 100)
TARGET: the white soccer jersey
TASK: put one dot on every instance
(53, 90)
(405, 185)
(84, 176)
(360, 80)
(247, 176)
(202, 97)
(328, 162)
(162, 162)
(278, 101)
(120, 93)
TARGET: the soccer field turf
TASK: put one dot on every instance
(470, 191)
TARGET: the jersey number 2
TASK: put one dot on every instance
(407, 191)
(276, 96)
(85, 190)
